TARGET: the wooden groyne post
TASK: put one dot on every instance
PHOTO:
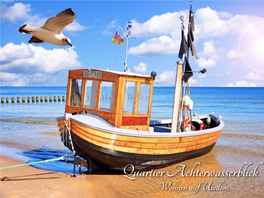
(33, 99)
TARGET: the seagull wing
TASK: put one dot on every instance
(60, 21)
(35, 40)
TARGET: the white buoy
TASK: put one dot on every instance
(190, 105)
(186, 100)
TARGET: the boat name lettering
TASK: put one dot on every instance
(92, 74)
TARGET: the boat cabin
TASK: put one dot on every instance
(123, 99)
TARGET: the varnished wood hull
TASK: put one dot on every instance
(115, 150)
(118, 160)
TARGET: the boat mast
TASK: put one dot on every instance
(182, 89)
(177, 96)
(176, 113)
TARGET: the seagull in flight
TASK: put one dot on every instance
(51, 32)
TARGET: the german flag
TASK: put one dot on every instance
(118, 39)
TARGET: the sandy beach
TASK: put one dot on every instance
(27, 181)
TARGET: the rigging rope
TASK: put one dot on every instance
(242, 135)
(44, 161)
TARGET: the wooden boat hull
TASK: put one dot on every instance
(143, 151)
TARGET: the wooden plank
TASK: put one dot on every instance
(126, 121)
(150, 101)
(106, 75)
(141, 145)
(83, 92)
(144, 151)
(136, 127)
(98, 95)
(68, 96)
(144, 139)
(177, 96)
(121, 93)
(135, 115)
(197, 138)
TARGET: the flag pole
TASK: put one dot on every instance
(129, 26)
(188, 54)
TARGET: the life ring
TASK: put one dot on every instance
(188, 120)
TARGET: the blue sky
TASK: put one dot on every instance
(229, 40)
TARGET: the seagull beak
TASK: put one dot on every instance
(70, 44)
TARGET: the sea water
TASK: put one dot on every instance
(32, 128)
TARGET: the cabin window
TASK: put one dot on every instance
(76, 92)
(143, 102)
(91, 94)
(107, 96)
(129, 99)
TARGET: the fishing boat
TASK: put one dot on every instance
(108, 121)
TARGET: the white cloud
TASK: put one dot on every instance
(205, 62)
(74, 27)
(36, 79)
(155, 46)
(141, 68)
(241, 84)
(208, 24)
(28, 59)
(18, 11)
(110, 26)
(201, 76)
(224, 14)
(209, 49)
(192, 82)
(232, 54)
(252, 76)
(167, 78)
(208, 56)
(5, 76)
(219, 75)
(158, 25)
(107, 32)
